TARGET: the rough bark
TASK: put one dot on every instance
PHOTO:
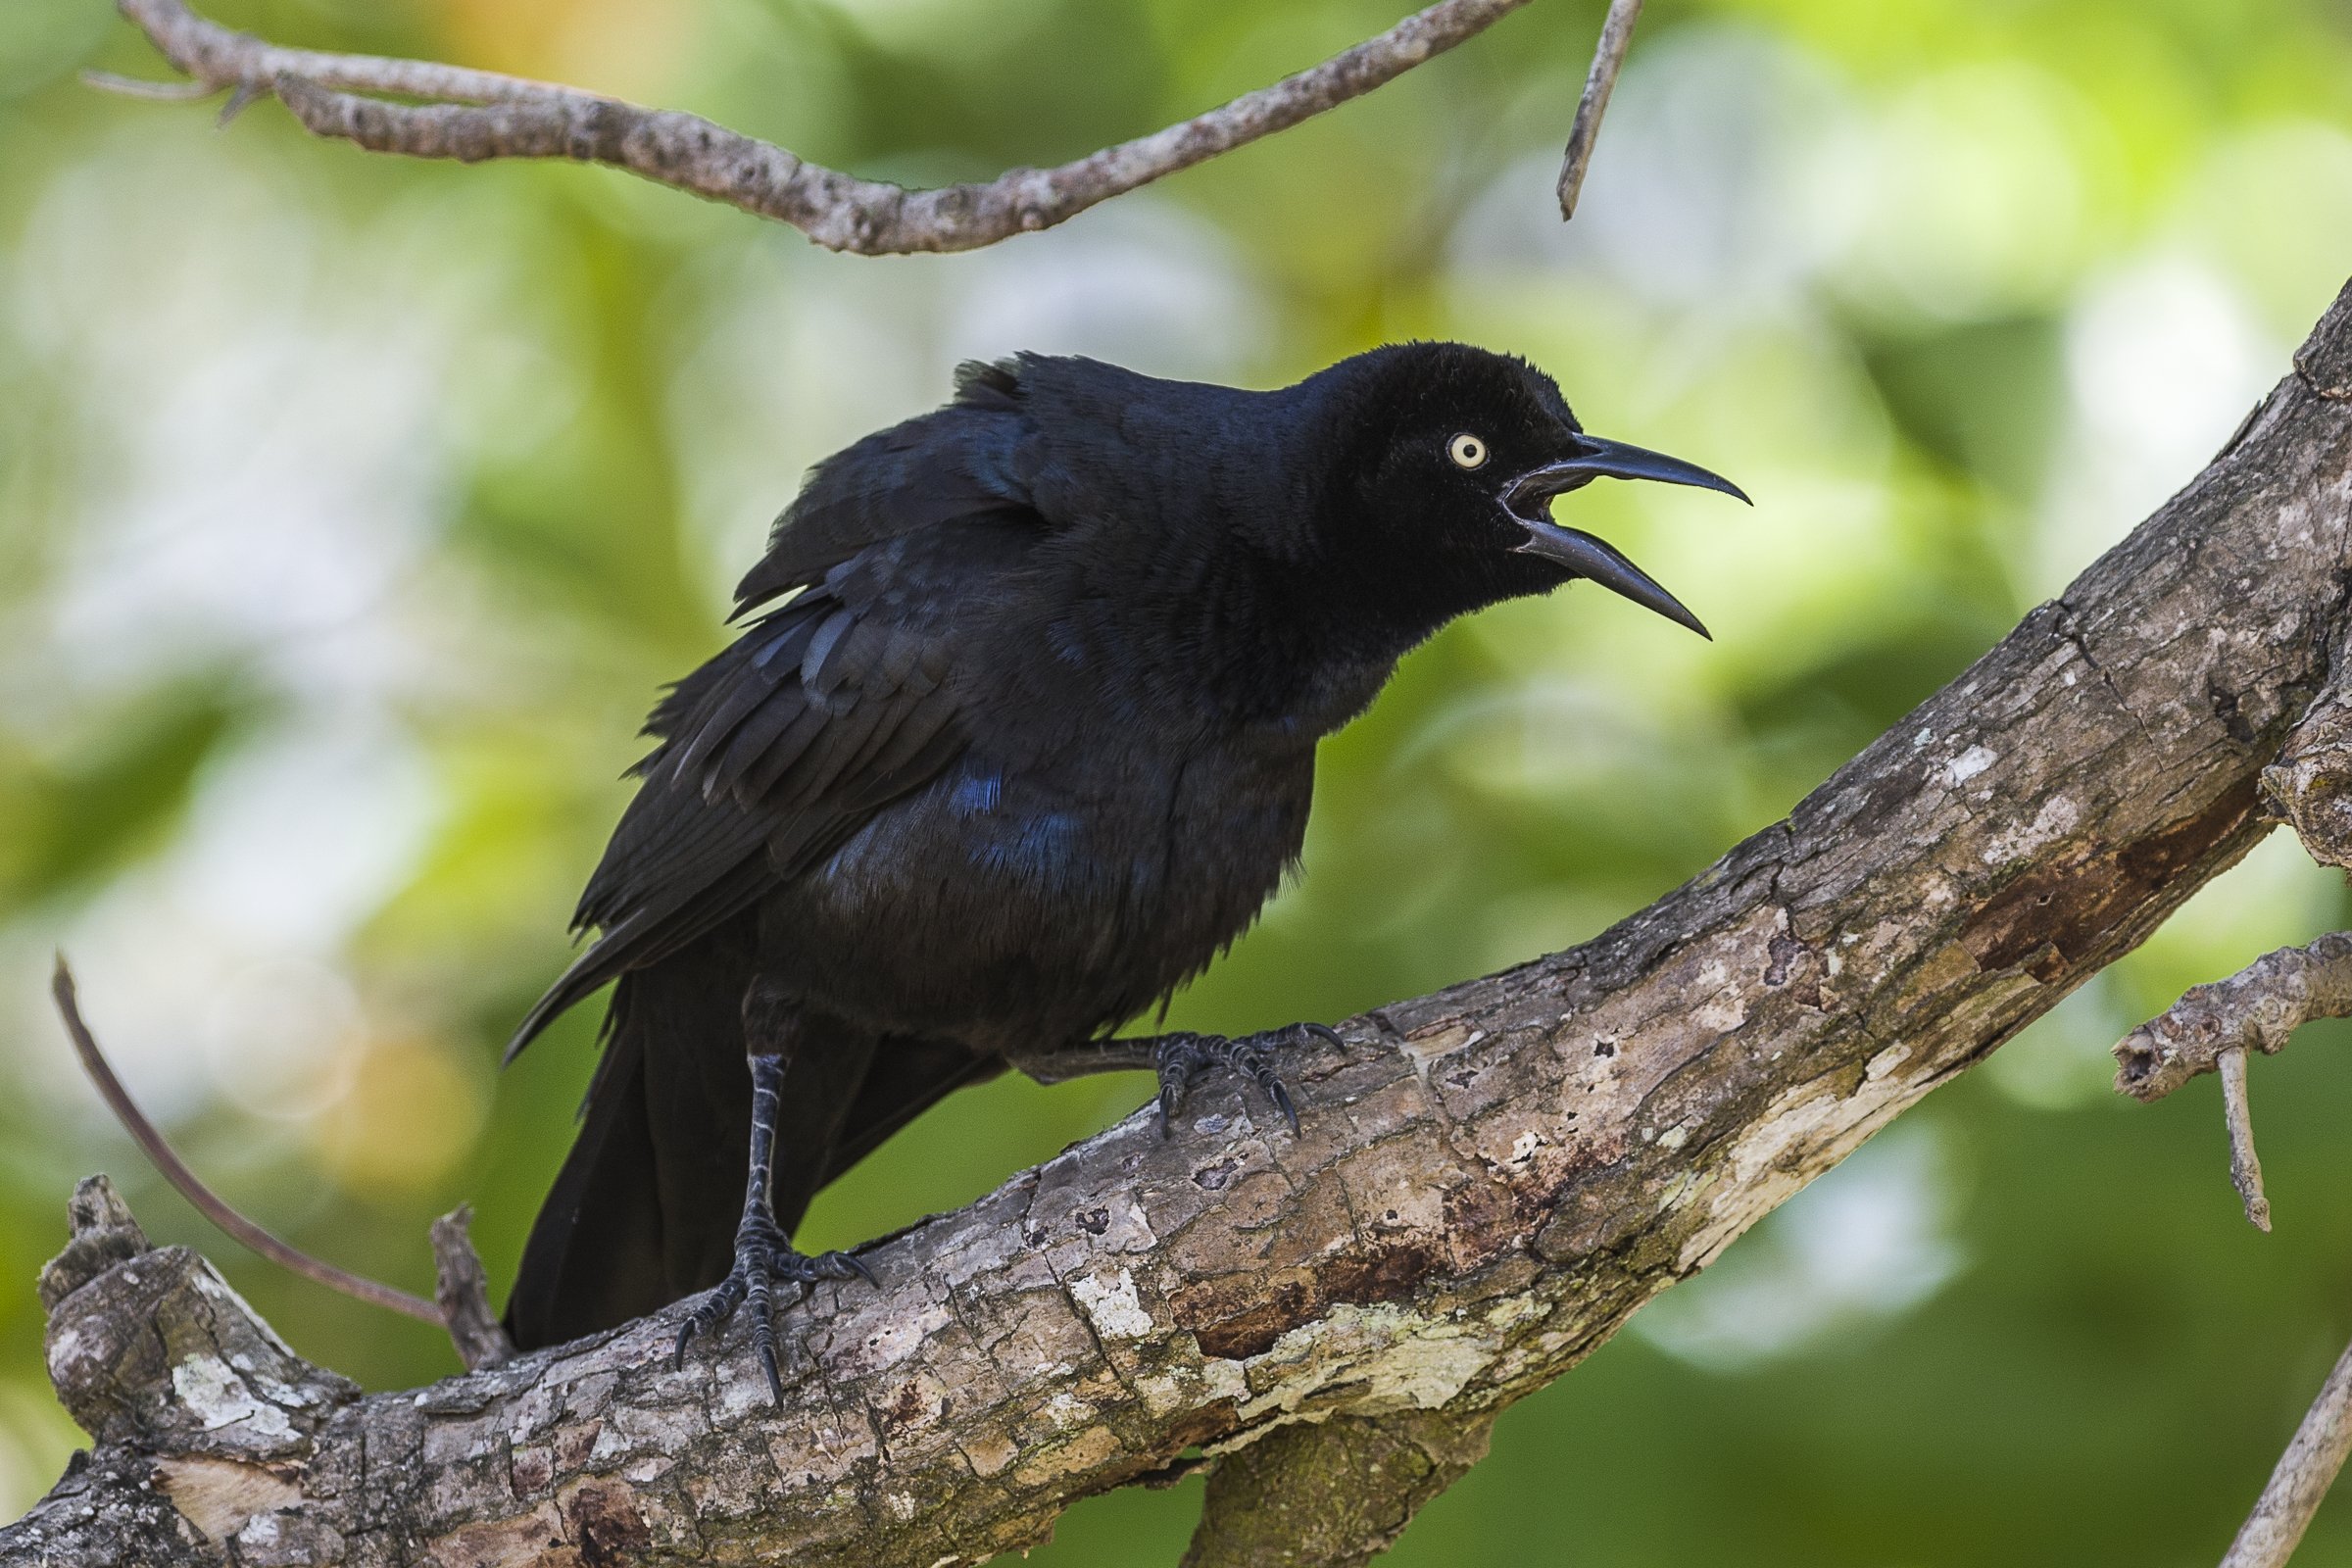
(1489, 1182)
(2310, 786)
(1332, 1493)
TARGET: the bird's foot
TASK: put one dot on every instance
(1183, 1057)
(765, 1258)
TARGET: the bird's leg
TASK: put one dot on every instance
(1179, 1059)
(765, 1256)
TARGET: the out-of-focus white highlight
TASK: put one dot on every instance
(1868, 1242)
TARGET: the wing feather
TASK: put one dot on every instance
(832, 703)
(773, 762)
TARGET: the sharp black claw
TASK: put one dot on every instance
(1282, 1102)
(1179, 1059)
(1183, 1057)
(764, 1259)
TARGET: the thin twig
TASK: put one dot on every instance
(2304, 1473)
(481, 114)
(462, 1288)
(169, 92)
(2245, 1169)
(2214, 1027)
(244, 98)
(1608, 57)
(212, 1205)
(2257, 1008)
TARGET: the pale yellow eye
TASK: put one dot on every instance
(1466, 450)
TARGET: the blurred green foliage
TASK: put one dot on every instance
(352, 510)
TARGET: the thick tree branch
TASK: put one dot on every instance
(1487, 1184)
(2310, 786)
(481, 114)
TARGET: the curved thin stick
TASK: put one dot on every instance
(482, 115)
(214, 1207)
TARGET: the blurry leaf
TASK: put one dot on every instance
(1848, 699)
(45, 39)
(1986, 397)
(76, 819)
(409, 1116)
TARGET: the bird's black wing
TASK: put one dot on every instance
(828, 707)
(978, 455)
(840, 697)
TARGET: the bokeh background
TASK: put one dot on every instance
(351, 511)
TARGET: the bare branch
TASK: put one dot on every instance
(512, 116)
(192, 1188)
(1467, 1213)
(2257, 1008)
(1608, 56)
(2304, 1473)
(463, 1289)
(2212, 1028)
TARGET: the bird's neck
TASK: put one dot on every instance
(1265, 639)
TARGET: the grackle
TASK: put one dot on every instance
(1022, 734)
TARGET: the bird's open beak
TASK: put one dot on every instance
(1529, 495)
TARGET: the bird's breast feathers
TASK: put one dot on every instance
(1037, 909)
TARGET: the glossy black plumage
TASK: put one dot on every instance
(1020, 735)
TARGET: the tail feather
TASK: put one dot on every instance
(639, 942)
(907, 1078)
(643, 1209)
(594, 1254)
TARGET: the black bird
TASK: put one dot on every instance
(1022, 735)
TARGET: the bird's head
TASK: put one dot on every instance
(1452, 458)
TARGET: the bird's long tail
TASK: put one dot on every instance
(645, 1207)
